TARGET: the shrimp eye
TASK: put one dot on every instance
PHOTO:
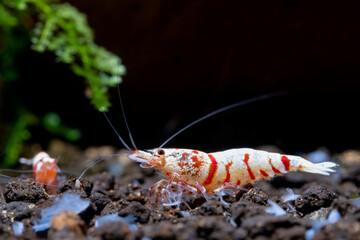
(161, 152)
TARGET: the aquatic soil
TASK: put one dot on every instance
(322, 207)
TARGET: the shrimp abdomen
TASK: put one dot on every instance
(245, 165)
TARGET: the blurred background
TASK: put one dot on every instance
(184, 59)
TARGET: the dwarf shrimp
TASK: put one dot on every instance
(192, 171)
(188, 171)
(45, 170)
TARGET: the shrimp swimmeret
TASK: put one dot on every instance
(190, 172)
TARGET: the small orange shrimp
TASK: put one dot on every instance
(45, 169)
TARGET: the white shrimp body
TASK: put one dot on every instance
(214, 171)
(245, 165)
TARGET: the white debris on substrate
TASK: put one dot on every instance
(69, 201)
(290, 196)
(185, 213)
(318, 220)
(18, 228)
(333, 217)
(356, 202)
(275, 209)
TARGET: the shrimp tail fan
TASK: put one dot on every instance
(324, 168)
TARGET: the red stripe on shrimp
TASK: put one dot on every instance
(264, 173)
(212, 170)
(227, 179)
(246, 160)
(286, 162)
(273, 168)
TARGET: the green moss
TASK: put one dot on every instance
(62, 30)
(65, 32)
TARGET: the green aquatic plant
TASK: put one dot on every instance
(65, 32)
(62, 30)
(52, 123)
(18, 134)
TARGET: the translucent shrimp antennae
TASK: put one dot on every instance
(99, 160)
(127, 126)
(112, 126)
(234, 105)
(31, 171)
(16, 171)
(5, 176)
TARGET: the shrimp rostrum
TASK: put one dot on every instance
(189, 172)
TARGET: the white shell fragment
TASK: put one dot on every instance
(69, 201)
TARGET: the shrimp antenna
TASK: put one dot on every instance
(127, 126)
(16, 171)
(112, 126)
(234, 105)
(5, 176)
(99, 160)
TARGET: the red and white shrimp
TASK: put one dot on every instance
(45, 169)
(192, 171)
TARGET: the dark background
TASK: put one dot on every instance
(187, 58)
